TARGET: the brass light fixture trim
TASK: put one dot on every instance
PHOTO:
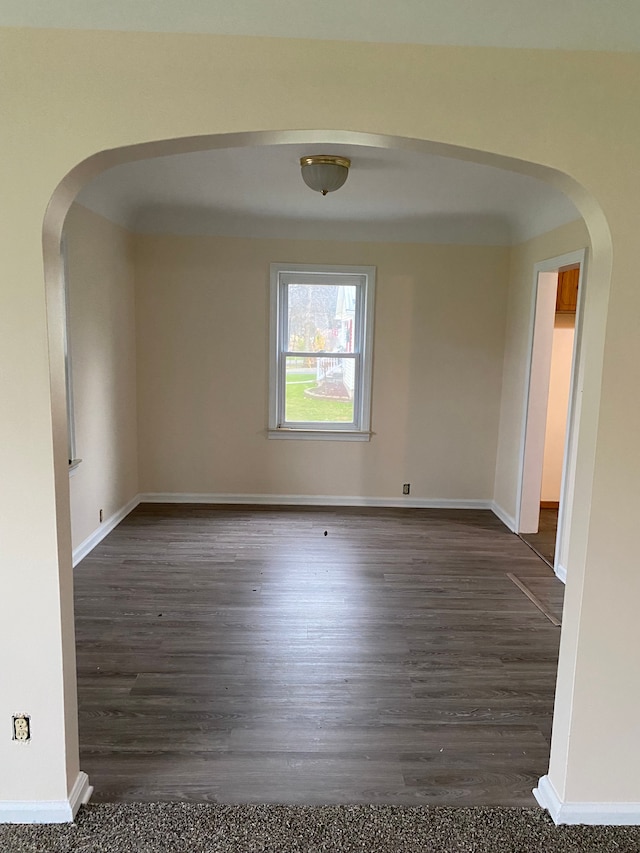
(324, 173)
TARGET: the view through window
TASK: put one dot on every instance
(322, 348)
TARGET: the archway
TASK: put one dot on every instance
(67, 190)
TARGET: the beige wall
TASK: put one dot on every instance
(523, 258)
(559, 386)
(82, 92)
(103, 352)
(203, 332)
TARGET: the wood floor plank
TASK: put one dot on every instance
(237, 654)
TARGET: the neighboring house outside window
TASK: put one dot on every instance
(321, 351)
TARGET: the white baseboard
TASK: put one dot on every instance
(561, 573)
(48, 811)
(508, 520)
(310, 500)
(595, 814)
(80, 793)
(105, 528)
(547, 798)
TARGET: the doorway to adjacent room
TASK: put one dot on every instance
(548, 454)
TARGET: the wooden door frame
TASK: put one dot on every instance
(551, 265)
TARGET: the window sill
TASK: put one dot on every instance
(320, 434)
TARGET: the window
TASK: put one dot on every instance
(321, 351)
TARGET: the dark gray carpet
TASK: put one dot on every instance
(204, 828)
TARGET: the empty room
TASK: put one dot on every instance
(282, 293)
(296, 405)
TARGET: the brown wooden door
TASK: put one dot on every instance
(567, 296)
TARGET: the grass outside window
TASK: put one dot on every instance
(301, 408)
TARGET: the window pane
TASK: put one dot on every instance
(319, 390)
(321, 317)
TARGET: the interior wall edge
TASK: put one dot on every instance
(507, 519)
(88, 544)
(312, 500)
(48, 811)
(586, 813)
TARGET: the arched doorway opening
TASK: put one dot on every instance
(160, 149)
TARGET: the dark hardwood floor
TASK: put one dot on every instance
(544, 541)
(240, 655)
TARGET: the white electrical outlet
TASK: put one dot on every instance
(22, 728)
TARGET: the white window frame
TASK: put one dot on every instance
(364, 278)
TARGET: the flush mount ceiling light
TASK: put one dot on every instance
(324, 173)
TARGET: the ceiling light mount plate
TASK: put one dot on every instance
(324, 173)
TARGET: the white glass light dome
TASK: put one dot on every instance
(324, 173)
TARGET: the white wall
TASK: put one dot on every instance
(82, 92)
(179, 294)
(558, 404)
(538, 397)
(202, 317)
(100, 266)
(523, 257)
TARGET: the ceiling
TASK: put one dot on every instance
(391, 195)
(562, 24)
